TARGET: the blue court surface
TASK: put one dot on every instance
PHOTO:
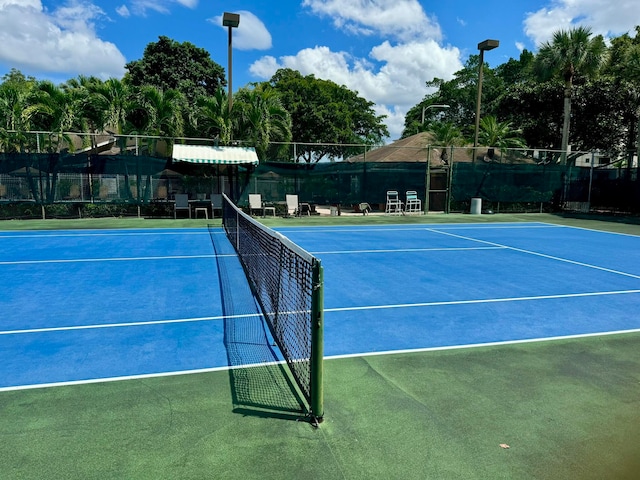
(92, 305)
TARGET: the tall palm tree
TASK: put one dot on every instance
(570, 53)
(212, 117)
(162, 112)
(261, 118)
(13, 102)
(113, 100)
(55, 110)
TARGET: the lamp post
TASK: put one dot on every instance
(231, 20)
(424, 109)
(482, 46)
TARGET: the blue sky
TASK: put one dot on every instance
(384, 49)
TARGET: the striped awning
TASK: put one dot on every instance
(216, 155)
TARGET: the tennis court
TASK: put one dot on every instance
(95, 305)
(108, 304)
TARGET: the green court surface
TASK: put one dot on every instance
(557, 409)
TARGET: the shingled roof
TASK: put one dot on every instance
(410, 149)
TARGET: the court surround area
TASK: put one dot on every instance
(452, 350)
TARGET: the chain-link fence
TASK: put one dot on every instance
(449, 179)
(48, 175)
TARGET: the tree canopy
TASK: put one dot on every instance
(170, 65)
(574, 91)
(327, 115)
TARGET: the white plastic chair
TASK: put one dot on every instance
(394, 204)
(295, 208)
(413, 204)
(256, 203)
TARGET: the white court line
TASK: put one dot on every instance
(574, 227)
(405, 250)
(332, 357)
(115, 233)
(129, 324)
(134, 377)
(538, 254)
(115, 259)
(488, 344)
(488, 300)
(404, 228)
(330, 310)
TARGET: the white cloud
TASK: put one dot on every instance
(602, 16)
(61, 41)
(123, 11)
(251, 33)
(140, 7)
(520, 46)
(393, 77)
(404, 20)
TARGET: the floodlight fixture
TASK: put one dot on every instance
(483, 47)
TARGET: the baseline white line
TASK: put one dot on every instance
(134, 377)
(543, 255)
(129, 324)
(488, 300)
(488, 344)
(331, 357)
(115, 259)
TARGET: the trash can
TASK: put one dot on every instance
(334, 211)
(476, 206)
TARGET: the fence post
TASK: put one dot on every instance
(427, 181)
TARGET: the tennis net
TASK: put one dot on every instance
(287, 283)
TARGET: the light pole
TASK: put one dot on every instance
(482, 46)
(231, 20)
(424, 109)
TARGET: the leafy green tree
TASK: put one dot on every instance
(517, 71)
(260, 118)
(460, 94)
(570, 53)
(623, 67)
(327, 115)
(170, 65)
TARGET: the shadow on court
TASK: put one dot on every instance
(260, 383)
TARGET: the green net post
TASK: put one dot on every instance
(317, 343)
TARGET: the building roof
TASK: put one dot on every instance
(411, 149)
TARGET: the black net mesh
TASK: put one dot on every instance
(281, 276)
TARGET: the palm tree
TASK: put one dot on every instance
(113, 99)
(13, 102)
(212, 117)
(570, 53)
(162, 113)
(499, 134)
(54, 110)
(261, 118)
(445, 134)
